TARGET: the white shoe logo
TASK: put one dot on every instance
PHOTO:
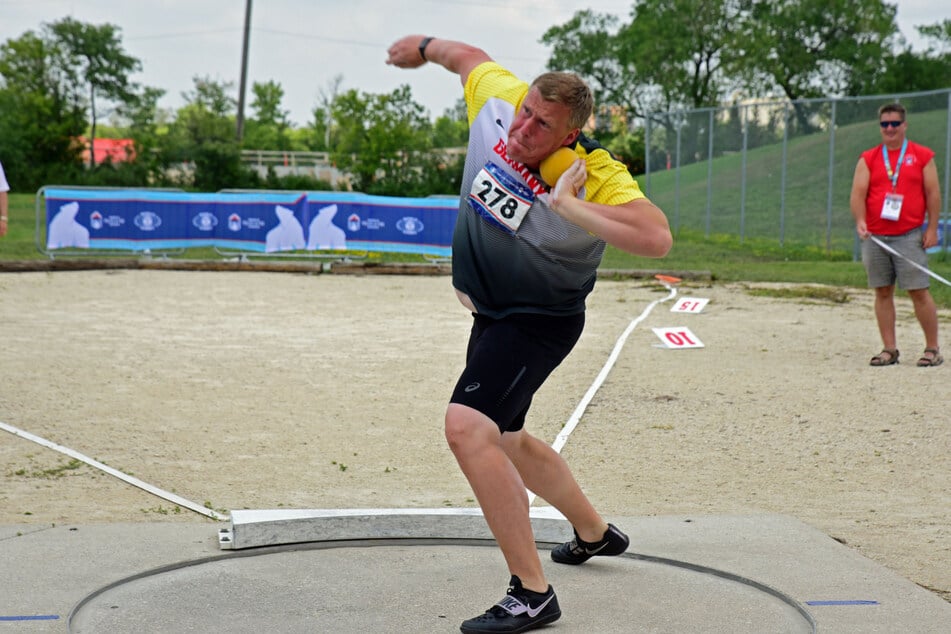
(533, 612)
(515, 607)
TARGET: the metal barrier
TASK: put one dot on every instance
(317, 165)
(780, 170)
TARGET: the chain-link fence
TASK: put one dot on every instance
(781, 170)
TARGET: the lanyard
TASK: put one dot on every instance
(893, 176)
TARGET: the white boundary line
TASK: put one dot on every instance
(569, 427)
(171, 497)
(914, 264)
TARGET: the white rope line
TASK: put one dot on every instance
(914, 264)
(569, 427)
(171, 497)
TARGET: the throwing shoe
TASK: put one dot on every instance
(520, 610)
(578, 551)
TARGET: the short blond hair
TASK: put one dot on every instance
(567, 89)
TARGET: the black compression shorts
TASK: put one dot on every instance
(508, 359)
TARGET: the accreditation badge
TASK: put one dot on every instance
(500, 198)
(891, 208)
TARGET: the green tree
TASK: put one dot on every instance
(98, 64)
(940, 34)
(382, 140)
(56, 84)
(40, 115)
(588, 44)
(812, 48)
(143, 121)
(910, 71)
(451, 129)
(268, 128)
(322, 127)
(202, 138)
(683, 57)
(657, 63)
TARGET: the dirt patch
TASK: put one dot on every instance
(266, 390)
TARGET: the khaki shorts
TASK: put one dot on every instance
(884, 268)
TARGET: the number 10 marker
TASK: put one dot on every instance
(678, 338)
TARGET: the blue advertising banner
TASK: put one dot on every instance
(381, 223)
(140, 220)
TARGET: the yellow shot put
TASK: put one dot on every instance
(555, 165)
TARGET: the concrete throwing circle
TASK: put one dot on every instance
(423, 586)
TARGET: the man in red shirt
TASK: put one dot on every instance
(894, 191)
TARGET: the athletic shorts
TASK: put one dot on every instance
(508, 359)
(884, 268)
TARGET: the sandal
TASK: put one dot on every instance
(885, 357)
(935, 359)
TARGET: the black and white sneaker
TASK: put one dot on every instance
(578, 551)
(520, 610)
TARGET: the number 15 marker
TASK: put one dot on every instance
(689, 305)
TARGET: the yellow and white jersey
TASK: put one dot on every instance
(511, 253)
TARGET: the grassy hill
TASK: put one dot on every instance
(801, 218)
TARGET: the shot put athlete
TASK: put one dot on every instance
(524, 257)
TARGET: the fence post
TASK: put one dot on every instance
(744, 127)
(677, 177)
(782, 178)
(647, 155)
(947, 179)
(831, 178)
(709, 173)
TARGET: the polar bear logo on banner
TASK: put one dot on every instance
(287, 235)
(323, 233)
(64, 231)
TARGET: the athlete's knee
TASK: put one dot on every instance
(466, 428)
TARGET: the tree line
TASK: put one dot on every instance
(70, 79)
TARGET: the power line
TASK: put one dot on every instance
(167, 36)
(373, 45)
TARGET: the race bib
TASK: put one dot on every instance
(500, 198)
(891, 208)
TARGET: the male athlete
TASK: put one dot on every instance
(525, 255)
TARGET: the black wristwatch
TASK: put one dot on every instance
(422, 47)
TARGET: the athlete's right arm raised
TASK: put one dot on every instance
(457, 57)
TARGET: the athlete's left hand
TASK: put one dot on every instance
(570, 183)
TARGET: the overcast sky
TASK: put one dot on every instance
(304, 44)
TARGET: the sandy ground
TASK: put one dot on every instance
(270, 390)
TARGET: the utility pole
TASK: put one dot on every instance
(244, 69)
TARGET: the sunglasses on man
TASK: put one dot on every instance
(892, 124)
